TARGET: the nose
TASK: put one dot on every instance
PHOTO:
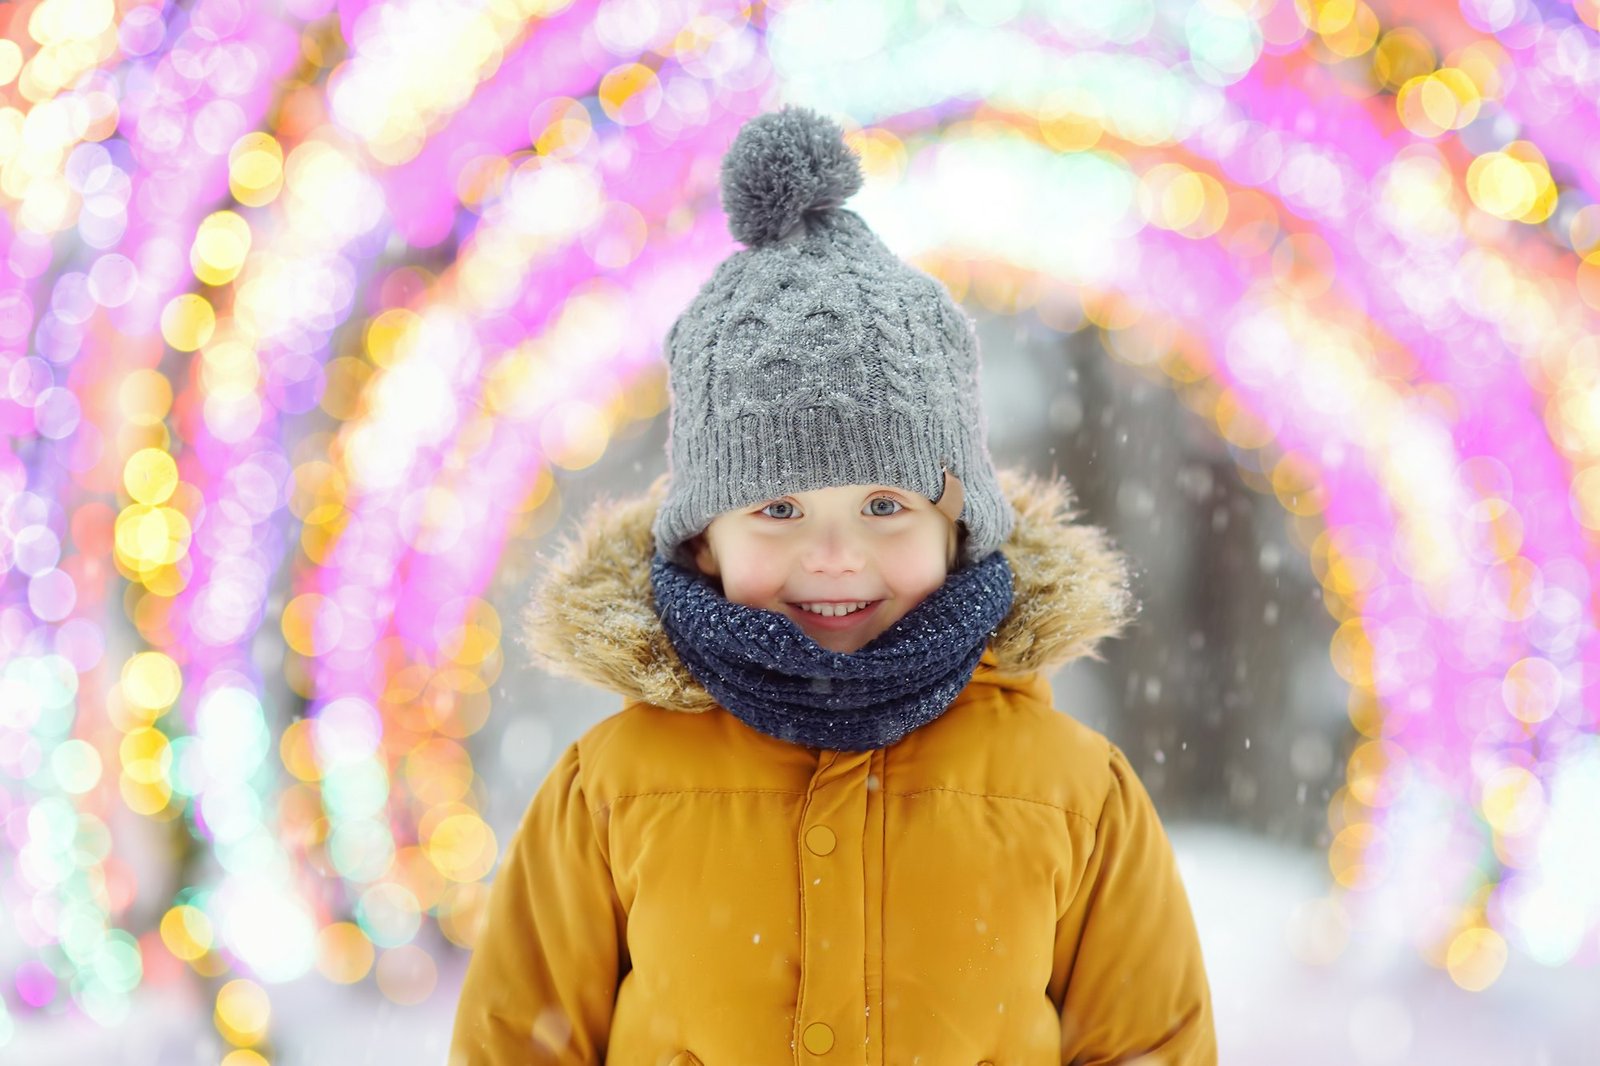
(833, 549)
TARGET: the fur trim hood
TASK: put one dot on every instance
(591, 615)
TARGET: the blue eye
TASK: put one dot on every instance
(896, 506)
(767, 510)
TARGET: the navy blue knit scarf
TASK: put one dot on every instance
(763, 668)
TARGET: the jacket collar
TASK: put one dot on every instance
(591, 617)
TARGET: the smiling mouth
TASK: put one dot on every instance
(835, 610)
(846, 615)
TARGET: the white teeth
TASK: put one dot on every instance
(833, 610)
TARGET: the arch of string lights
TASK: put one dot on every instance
(303, 303)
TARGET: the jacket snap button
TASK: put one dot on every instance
(818, 1038)
(820, 839)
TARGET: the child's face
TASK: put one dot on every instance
(836, 546)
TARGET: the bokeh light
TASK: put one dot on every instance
(307, 311)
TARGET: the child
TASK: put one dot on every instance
(838, 820)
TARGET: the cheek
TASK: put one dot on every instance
(751, 577)
(915, 579)
(916, 571)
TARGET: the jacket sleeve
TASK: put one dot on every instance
(1136, 986)
(543, 976)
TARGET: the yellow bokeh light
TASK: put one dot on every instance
(1513, 184)
(243, 1012)
(146, 756)
(1181, 201)
(128, 536)
(1402, 54)
(1152, 195)
(150, 476)
(164, 579)
(481, 179)
(1296, 483)
(188, 321)
(476, 638)
(144, 397)
(149, 798)
(399, 141)
(462, 847)
(151, 682)
(515, 384)
(438, 771)
(1500, 185)
(1351, 652)
(1358, 33)
(187, 932)
(1071, 121)
(1352, 857)
(244, 1056)
(344, 953)
(1516, 583)
(255, 169)
(1574, 411)
(1302, 263)
(1432, 104)
(1532, 689)
(560, 127)
(1239, 425)
(1583, 231)
(1475, 958)
(1513, 800)
(10, 60)
(149, 537)
(390, 335)
(415, 872)
(1486, 63)
(1366, 713)
(318, 492)
(221, 244)
(312, 624)
(1374, 765)
(11, 123)
(47, 208)
(630, 94)
(461, 912)
(1213, 211)
(63, 21)
(883, 155)
(298, 752)
(1326, 16)
(345, 394)
(230, 370)
(1586, 497)
(575, 434)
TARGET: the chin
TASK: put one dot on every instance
(840, 642)
(843, 647)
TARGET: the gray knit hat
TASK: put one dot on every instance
(815, 357)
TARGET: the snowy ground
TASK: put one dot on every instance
(1377, 1004)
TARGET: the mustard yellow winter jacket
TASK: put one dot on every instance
(993, 888)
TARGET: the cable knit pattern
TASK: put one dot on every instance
(817, 358)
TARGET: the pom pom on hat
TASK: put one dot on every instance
(781, 166)
(815, 356)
